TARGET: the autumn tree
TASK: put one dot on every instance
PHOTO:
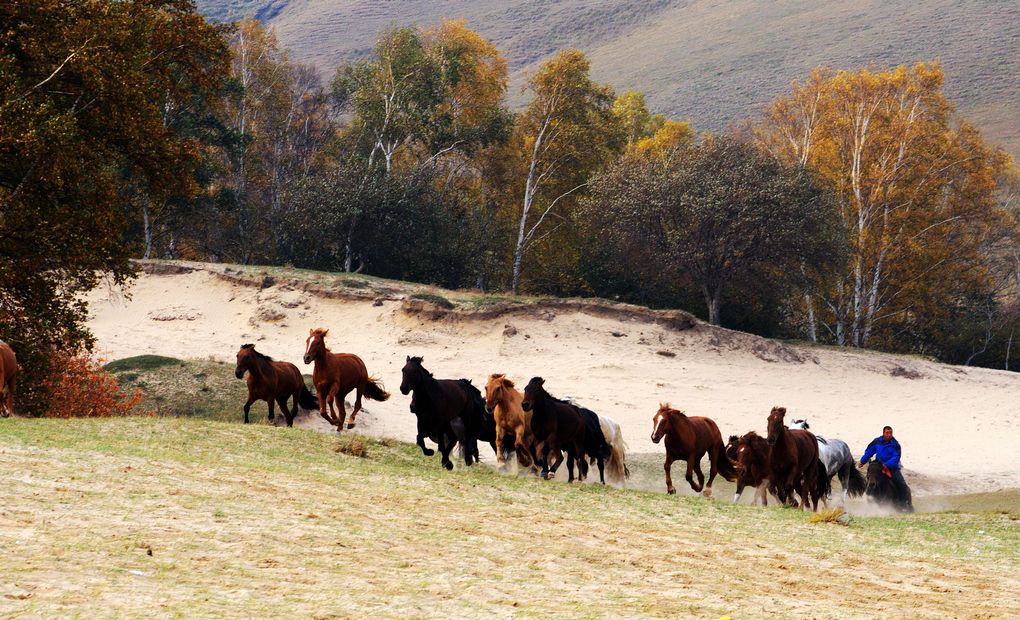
(567, 132)
(714, 212)
(82, 127)
(916, 191)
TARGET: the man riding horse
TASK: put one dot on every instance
(887, 451)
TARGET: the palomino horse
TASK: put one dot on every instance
(503, 401)
(882, 489)
(793, 461)
(438, 403)
(273, 382)
(8, 378)
(835, 455)
(688, 439)
(559, 425)
(617, 465)
(335, 375)
(750, 456)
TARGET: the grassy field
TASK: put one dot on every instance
(712, 62)
(187, 518)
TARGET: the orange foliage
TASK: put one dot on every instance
(80, 388)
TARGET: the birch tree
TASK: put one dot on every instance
(567, 131)
(915, 186)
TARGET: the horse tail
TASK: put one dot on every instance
(374, 390)
(823, 486)
(724, 465)
(856, 483)
(307, 400)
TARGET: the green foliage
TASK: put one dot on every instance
(141, 363)
(86, 89)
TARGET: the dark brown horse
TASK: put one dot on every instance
(793, 461)
(688, 439)
(560, 426)
(438, 404)
(750, 457)
(335, 375)
(8, 379)
(882, 489)
(273, 382)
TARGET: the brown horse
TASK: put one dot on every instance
(273, 382)
(8, 379)
(750, 456)
(335, 375)
(793, 461)
(503, 402)
(688, 439)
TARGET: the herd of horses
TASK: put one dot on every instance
(791, 462)
(542, 431)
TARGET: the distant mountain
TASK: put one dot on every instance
(711, 61)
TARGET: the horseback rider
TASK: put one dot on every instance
(886, 450)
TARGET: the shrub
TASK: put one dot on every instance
(79, 387)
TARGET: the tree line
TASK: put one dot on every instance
(859, 209)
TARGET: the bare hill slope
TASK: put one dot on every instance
(711, 61)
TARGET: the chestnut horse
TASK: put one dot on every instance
(273, 382)
(438, 403)
(8, 379)
(503, 402)
(750, 456)
(561, 426)
(793, 461)
(688, 439)
(335, 375)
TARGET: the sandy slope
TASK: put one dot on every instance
(960, 427)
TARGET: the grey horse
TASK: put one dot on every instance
(838, 461)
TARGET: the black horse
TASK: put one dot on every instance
(882, 489)
(438, 404)
(559, 425)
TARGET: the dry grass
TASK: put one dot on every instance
(166, 517)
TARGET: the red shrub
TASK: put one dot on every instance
(78, 387)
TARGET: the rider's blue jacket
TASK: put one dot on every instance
(886, 452)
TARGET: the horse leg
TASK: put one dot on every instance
(341, 404)
(247, 408)
(445, 446)
(554, 450)
(691, 465)
(740, 490)
(761, 493)
(570, 467)
(323, 403)
(713, 469)
(293, 411)
(668, 466)
(272, 408)
(357, 408)
(286, 411)
(602, 470)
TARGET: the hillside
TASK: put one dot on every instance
(713, 62)
(959, 426)
(154, 517)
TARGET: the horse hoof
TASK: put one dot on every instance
(448, 465)
(351, 425)
(671, 491)
(428, 451)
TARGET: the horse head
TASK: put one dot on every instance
(533, 393)
(775, 424)
(494, 391)
(245, 358)
(315, 344)
(660, 421)
(411, 375)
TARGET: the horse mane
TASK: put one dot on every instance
(668, 408)
(257, 354)
(501, 377)
(318, 331)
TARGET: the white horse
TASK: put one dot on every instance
(835, 455)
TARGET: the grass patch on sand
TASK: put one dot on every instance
(185, 517)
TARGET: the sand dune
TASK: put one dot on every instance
(960, 427)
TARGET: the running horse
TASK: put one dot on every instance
(273, 382)
(335, 375)
(750, 455)
(440, 405)
(513, 424)
(793, 461)
(561, 426)
(835, 455)
(8, 379)
(689, 439)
